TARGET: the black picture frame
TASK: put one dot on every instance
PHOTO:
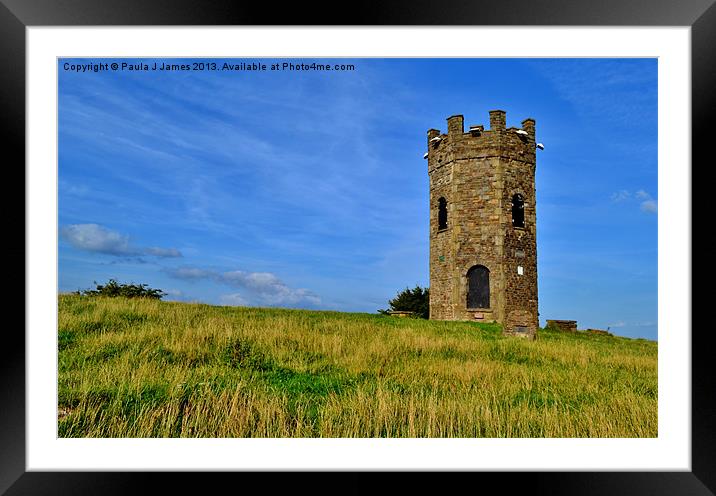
(17, 15)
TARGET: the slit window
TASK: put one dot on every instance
(442, 214)
(518, 211)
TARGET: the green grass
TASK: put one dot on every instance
(147, 368)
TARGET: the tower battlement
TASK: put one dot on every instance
(456, 124)
(517, 143)
(483, 250)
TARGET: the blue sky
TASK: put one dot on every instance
(308, 189)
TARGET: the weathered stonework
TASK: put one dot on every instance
(478, 173)
(562, 325)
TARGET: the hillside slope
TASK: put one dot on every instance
(147, 368)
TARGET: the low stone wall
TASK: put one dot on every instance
(562, 325)
(401, 313)
(600, 331)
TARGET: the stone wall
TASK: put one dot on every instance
(600, 332)
(563, 325)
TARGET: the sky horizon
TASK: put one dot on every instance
(308, 189)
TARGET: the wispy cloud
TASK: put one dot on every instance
(265, 288)
(179, 295)
(649, 206)
(191, 273)
(621, 92)
(622, 323)
(646, 202)
(162, 252)
(98, 239)
(234, 300)
(317, 166)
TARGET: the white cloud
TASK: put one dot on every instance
(259, 281)
(163, 252)
(269, 288)
(98, 239)
(264, 287)
(649, 206)
(175, 295)
(620, 195)
(234, 300)
(191, 273)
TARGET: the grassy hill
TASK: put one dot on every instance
(147, 368)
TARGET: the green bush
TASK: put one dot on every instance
(113, 288)
(416, 300)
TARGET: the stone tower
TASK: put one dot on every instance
(483, 245)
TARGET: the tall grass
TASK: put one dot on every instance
(147, 368)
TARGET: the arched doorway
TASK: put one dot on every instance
(478, 287)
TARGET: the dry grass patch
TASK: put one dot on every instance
(147, 368)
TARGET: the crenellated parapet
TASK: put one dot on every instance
(477, 142)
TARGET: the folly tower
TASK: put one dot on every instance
(483, 244)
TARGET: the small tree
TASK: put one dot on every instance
(416, 300)
(113, 288)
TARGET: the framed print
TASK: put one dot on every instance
(96, 69)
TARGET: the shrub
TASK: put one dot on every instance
(113, 288)
(415, 300)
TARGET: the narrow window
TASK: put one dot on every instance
(442, 214)
(478, 287)
(518, 211)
